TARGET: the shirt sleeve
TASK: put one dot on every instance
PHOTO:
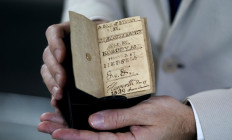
(107, 10)
(200, 135)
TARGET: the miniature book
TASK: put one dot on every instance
(113, 58)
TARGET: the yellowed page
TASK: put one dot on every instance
(85, 55)
(124, 58)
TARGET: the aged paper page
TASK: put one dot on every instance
(124, 58)
(85, 55)
(150, 57)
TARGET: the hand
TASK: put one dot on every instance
(51, 122)
(159, 118)
(54, 54)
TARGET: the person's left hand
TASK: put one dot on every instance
(159, 118)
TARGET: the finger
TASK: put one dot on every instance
(52, 117)
(53, 88)
(53, 102)
(143, 132)
(73, 134)
(58, 111)
(118, 118)
(55, 35)
(55, 69)
(49, 127)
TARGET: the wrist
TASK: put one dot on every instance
(189, 124)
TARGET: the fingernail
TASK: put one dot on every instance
(57, 54)
(54, 91)
(97, 120)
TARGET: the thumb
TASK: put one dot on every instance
(114, 119)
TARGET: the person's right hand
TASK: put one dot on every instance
(52, 72)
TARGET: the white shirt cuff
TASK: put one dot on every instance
(200, 135)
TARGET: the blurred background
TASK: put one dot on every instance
(22, 41)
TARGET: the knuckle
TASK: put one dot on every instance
(54, 65)
(45, 53)
(42, 70)
(118, 119)
(51, 29)
(55, 69)
(146, 107)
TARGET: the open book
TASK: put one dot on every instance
(113, 58)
